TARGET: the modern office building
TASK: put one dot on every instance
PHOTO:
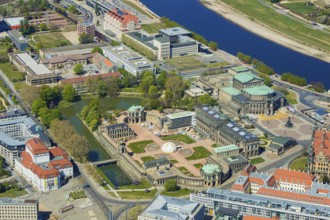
(133, 62)
(86, 27)
(18, 209)
(165, 207)
(36, 74)
(45, 168)
(181, 119)
(248, 95)
(168, 43)
(319, 152)
(266, 206)
(221, 129)
(120, 21)
(15, 129)
(18, 40)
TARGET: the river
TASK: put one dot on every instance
(97, 152)
(233, 38)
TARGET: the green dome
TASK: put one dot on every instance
(211, 168)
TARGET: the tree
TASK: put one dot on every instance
(318, 86)
(129, 80)
(213, 45)
(38, 104)
(101, 88)
(85, 38)
(161, 79)
(72, 9)
(69, 94)
(52, 96)
(43, 27)
(113, 86)
(98, 50)
(29, 93)
(207, 100)
(78, 69)
(98, 23)
(96, 9)
(174, 90)
(171, 186)
(153, 92)
(325, 179)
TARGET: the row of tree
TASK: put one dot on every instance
(91, 115)
(294, 79)
(259, 65)
(3, 171)
(74, 144)
(140, 48)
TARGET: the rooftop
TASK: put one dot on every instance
(15, 21)
(36, 146)
(26, 59)
(245, 77)
(10, 201)
(259, 90)
(211, 168)
(180, 114)
(17, 36)
(235, 159)
(39, 69)
(175, 31)
(231, 91)
(239, 69)
(134, 108)
(225, 148)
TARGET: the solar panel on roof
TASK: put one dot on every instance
(205, 108)
(242, 133)
(216, 116)
(236, 129)
(210, 112)
(230, 125)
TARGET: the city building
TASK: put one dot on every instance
(15, 129)
(22, 209)
(133, 62)
(120, 21)
(14, 22)
(45, 168)
(168, 43)
(165, 207)
(136, 114)
(238, 69)
(280, 144)
(319, 152)
(212, 174)
(248, 95)
(155, 119)
(265, 206)
(86, 27)
(195, 92)
(181, 119)
(79, 82)
(36, 74)
(18, 40)
(119, 131)
(67, 61)
(222, 130)
(102, 63)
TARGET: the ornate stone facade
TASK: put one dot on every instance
(136, 114)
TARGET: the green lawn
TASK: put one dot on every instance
(198, 165)
(152, 28)
(180, 192)
(282, 23)
(186, 63)
(137, 194)
(138, 147)
(144, 185)
(179, 137)
(173, 161)
(49, 40)
(217, 65)
(291, 97)
(147, 158)
(257, 160)
(200, 152)
(300, 8)
(12, 193)
(185, 171)
(215, 145)
(11, 72)
(299, 164)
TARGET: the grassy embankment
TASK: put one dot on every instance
(282, 23)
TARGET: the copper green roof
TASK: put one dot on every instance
(211, 168)
(231, 91)
(134, 108)
(246, 77)
(239, 69)
(225, 148)
(259, 90)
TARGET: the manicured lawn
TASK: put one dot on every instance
(173, 161)
(291, 97)
(215, 145)
(300, 8)
(257, 160)
(198, 165)
(186, 63)
(299, 164)
(137, 194)
(185, 171)
(144, 185)
(12, 193)
(180, 192)
(49, 40)
(200, 152)
(152, 28)
(138, 147)
(147, 158)
(179, 137)
(282, 23)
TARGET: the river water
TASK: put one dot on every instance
(233, 38)
(97, 152)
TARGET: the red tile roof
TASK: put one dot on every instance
(249, 168)
(123, 16)
(321, 142)
(294, 196)
(258, 181)
(36, 146)
(57, 151)
(83, 78)
(291, 176)
(60, 164)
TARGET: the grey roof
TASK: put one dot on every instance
(175, 31)
(10, 201)
(15, 34)
(282, 140)
(39, 69)
(156, 161)
(237, 159)
(159, 208)
(25, 59)
(115, 126)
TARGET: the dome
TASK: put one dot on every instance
(211, 168)
(169, 147)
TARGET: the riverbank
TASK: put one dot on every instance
(262, 30)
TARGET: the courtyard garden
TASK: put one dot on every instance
(179, 137)
(49, 40)
(147, 158)
(200, 152)
(138, 147)
(257, 160)
(299, 163)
